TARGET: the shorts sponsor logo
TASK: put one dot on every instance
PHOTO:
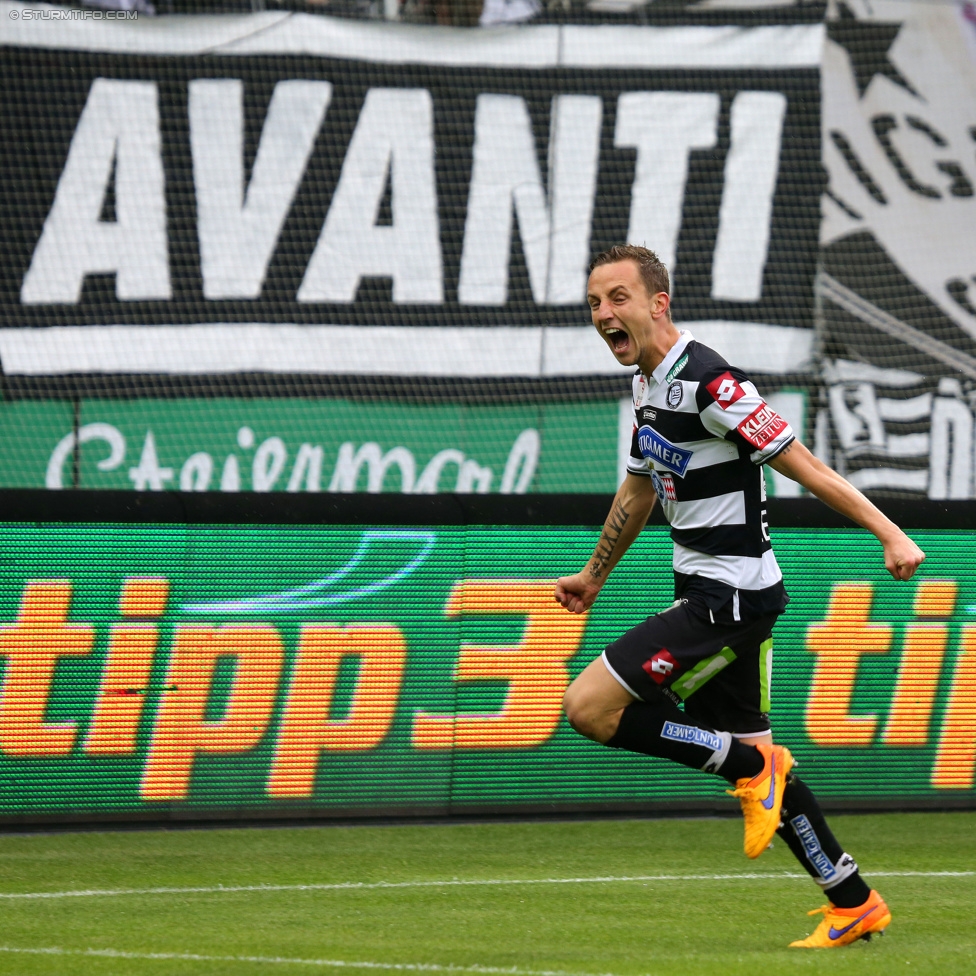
(654, 447)
(691, 735)
(725, 390)
(762, 426)
(675, 394)
(811, 844)
(664, 486)
(660, 666)
(676, 368)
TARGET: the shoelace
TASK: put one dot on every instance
(822, 910)
(744, 791)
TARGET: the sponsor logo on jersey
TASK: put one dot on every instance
(664, 486)
(675, 393)
(725, 390)
(648, 414)
(763, 425)
(654, 447)
(811, 844)
(692, 735)
(676, 368)
(660, 666)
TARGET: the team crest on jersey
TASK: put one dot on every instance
(763, 425)
(675, 393)
(664, 486)
(659, 667)
(659, 449)
(725, 390)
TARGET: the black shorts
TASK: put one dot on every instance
(721, 671)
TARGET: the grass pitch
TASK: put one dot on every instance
(654, 897)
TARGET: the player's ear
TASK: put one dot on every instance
(660, 303)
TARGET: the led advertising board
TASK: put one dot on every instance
(157, 670)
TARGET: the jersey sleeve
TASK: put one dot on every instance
(636, 462)
(732, 408)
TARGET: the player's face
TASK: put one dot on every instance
(622, 311)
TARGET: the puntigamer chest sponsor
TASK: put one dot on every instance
(660, 450)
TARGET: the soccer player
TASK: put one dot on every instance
(702, 434)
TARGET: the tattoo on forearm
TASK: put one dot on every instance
(608, 540)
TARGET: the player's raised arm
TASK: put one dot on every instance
(628, 514)
(902, 556)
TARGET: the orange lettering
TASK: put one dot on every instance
(144, 597)
(32, 647)
(936, 598)
(920, 667)
(182, 732)
(839, 641)
(306, 729)
(535, 669)
(955, 758)
(118, 709)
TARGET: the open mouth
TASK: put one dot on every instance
(617, 338)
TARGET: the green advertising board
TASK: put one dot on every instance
(180, 670)
(308, 445)
(303, 445)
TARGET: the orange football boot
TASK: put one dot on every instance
(761, 798)
(842, 926)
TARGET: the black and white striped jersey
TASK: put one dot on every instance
(702, 432)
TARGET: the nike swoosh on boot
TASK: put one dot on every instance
(837, 933)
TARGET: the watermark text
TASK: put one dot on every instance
(69, 13)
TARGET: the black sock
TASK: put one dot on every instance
(743, 762)
(805, 832)
(660, 728)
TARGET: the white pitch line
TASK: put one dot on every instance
(452, 883)
(423, 967)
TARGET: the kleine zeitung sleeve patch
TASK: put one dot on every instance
(762, 426)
